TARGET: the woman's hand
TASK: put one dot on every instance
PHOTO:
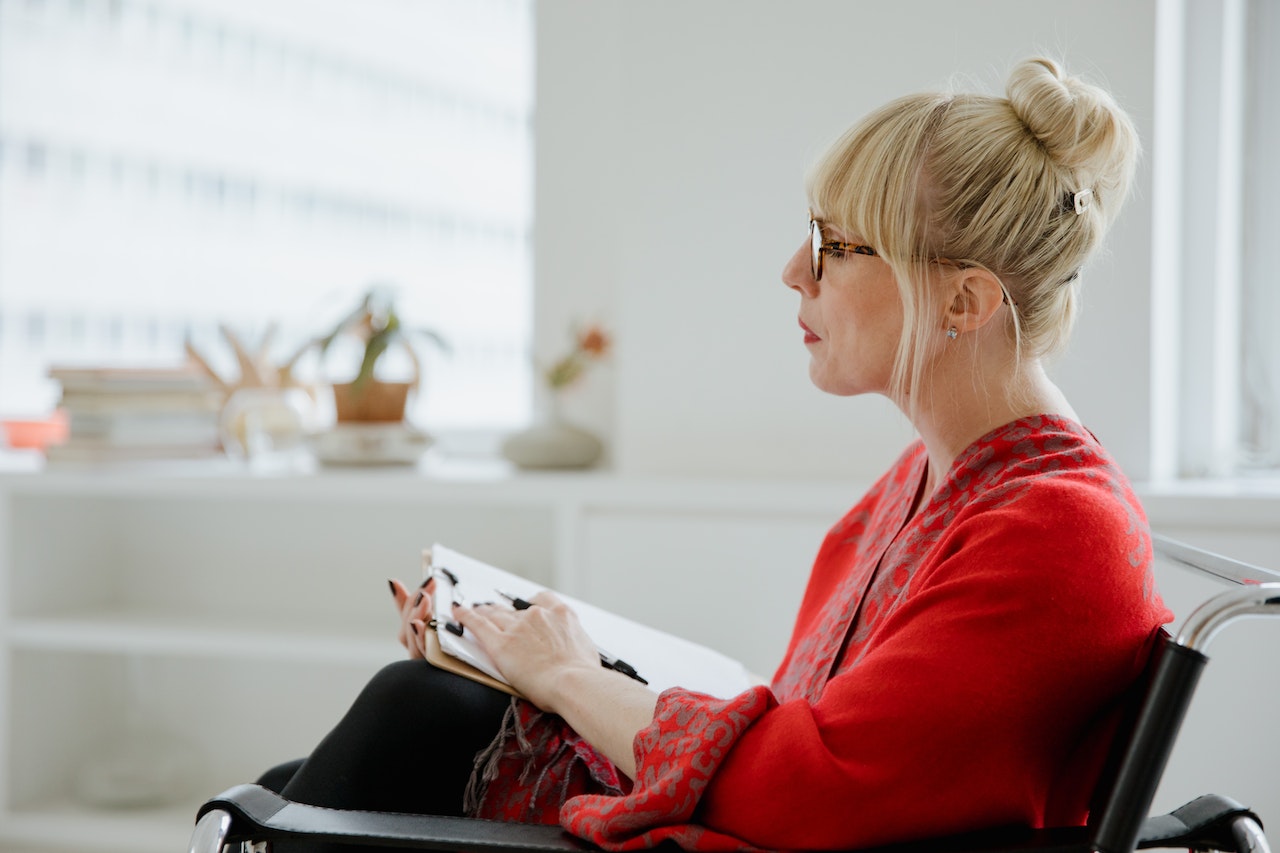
(546, 655)
(535, 648)
(415, 611)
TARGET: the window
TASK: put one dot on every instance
(1217, 308)
(169, 167)
(1260, 332)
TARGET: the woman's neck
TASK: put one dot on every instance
(958, 409)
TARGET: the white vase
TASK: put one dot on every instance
(552, 442)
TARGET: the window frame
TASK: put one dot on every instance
(1215, 403)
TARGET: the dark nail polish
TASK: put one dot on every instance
(414, 626)
(392, 584)
(423, 585)
(453, 628)
(418, 600)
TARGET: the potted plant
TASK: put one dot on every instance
(367, 398)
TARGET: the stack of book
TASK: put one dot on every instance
(119, 414)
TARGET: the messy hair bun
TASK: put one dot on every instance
(1024, 186)
(1081, 128)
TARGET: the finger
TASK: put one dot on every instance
(399, 593)
(406, 600)
(480, 621)
(415, 610)
(549, 603)
(411, 604)
(418, 649)
(501, 617)
(547, 598)
(425, 608)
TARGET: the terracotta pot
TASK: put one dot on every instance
(371, 402)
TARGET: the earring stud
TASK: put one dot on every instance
(952, 334)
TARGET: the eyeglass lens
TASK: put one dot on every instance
(815, 248)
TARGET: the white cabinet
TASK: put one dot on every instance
(231, 619)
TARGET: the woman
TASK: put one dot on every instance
(967, 628)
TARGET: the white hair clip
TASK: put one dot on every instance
(1082, 200)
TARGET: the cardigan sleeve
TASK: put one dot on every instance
(676, 756)
(1023, 626)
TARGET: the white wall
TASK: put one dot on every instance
(672, 140)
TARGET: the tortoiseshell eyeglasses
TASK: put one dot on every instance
(818, 246)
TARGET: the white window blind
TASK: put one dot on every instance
(169, 166)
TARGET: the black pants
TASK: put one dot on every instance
(406, 745)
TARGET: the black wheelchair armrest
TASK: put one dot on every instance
(253, 813)
(1211, 822)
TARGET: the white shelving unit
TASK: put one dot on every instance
(235, 617)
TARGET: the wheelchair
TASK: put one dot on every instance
(247, 818)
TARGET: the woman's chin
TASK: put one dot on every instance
(837, 386)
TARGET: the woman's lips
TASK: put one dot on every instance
(809, 336)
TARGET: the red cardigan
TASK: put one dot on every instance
(953, 670)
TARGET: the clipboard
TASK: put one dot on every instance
(664, 659)
(436, 657)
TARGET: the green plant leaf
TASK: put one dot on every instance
(376, 346)
(377, 321)
(353, 319)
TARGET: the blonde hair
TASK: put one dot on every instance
(984, 181)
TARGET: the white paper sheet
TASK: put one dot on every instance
(662, 659)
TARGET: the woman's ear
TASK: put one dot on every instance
(976, 297)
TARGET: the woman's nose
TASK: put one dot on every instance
(798, 273)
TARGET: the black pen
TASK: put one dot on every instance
(607, 660)
(517, 602)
